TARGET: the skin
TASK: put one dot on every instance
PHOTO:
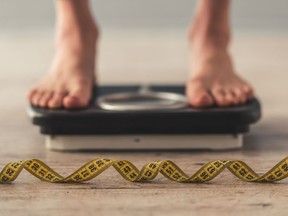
(213, 79)
(71, 77)
(70, 80)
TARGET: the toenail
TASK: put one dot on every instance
(204, 98)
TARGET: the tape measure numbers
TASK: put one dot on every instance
(149, 171)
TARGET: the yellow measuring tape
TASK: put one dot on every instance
(149, 171)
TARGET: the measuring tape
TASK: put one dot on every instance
(149, 171)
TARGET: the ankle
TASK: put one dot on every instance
(87, 33)
(207, 33)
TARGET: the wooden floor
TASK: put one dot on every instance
(261, 59)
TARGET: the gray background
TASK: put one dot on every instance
(248, 15)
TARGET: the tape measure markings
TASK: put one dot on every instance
(148, 172)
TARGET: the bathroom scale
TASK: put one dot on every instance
(133, 117)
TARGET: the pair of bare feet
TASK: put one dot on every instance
(71, 78)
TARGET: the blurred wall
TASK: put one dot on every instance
(248, 15)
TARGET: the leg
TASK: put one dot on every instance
(71, 78)
(213, 79)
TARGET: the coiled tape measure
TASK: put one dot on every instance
(149, 171)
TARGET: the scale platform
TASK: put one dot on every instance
(102, 127)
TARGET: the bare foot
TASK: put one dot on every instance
(70, 81)
(213, 79)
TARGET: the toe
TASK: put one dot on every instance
(77, 99)
(198, 96)
(31, 94)
(36, 98)
(248, 91)
(43, 101)
(219, 97)
(202, 99)
(74, 101)
(240, 95)
(230, 98)
(57, 100)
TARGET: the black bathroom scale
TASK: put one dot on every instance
(141, 117)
